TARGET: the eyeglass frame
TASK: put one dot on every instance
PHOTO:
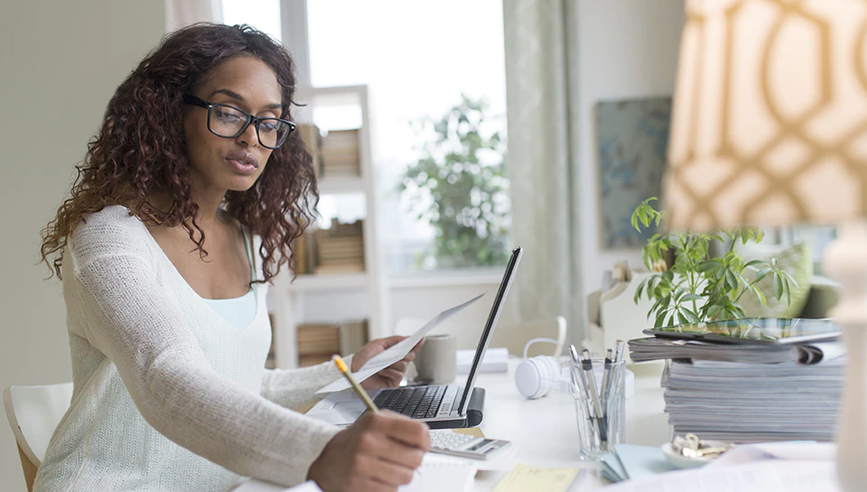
(254, 120)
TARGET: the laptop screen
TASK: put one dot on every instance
(489, 327)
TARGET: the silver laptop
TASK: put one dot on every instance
(440, 406)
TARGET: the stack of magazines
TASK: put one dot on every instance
(752, 380)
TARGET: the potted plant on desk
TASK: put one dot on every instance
(690, 286)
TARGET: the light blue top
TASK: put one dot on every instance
(240, 311)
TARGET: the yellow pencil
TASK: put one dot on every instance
(358, 389)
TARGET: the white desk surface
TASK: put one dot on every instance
(546, 431)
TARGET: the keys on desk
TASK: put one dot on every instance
(448, 442)
(418, 403)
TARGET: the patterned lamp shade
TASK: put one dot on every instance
(769, 124)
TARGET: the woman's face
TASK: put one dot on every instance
(222, 164)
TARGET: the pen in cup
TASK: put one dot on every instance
(606, 381)
(587, 365)
(577, 375)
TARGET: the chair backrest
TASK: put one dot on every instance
(33, 413)
(514, 337)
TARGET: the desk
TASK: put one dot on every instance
(546, 432)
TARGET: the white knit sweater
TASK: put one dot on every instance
(168, 395)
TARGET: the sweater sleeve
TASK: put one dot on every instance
(297, 387)
(135, 324)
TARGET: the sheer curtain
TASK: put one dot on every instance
(541, 96)
(180, 13)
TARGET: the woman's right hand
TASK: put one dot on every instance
(379, 452)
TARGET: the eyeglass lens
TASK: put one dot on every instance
(226, 121)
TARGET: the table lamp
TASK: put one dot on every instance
(769, 128)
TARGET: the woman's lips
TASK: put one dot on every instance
(243, 162)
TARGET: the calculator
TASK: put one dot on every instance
(446, 441)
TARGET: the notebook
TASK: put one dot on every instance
(436, 474)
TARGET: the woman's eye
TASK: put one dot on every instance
(227, 116)
(268, 126)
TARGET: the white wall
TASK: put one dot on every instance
(60, 63)
(627, 49)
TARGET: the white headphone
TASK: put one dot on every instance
(535, 376)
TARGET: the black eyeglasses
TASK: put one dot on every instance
(230, 122)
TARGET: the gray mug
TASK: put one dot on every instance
(435, 361)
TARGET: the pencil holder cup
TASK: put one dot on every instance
(600, 405)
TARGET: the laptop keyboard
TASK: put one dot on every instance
(419, 403)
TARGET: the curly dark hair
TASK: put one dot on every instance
(140, 150)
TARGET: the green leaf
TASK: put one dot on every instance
(754, 263)
(778, 286)
(731, 280)
(659, 320)
(640, 290)
(788, 292)
(690, 297)
(763, 273)
(760, 295)
(713, 310)
(691, 316)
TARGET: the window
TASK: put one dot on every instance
(419, 59)
(264, 15)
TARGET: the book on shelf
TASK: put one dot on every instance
(318, 342)
(339, 249)
(305, 253)
(339, 153)
(353, 336)
(317, 339)
(271, 360)
(312, 139)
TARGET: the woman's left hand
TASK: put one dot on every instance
(390, 376)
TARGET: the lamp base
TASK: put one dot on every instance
(846, 261)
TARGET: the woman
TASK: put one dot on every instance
(186, 205)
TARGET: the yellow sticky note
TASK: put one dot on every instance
(470, 431)
(523, 478)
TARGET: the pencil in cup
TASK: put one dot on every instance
(338, 361)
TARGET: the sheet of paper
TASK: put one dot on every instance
(641, 461)
(254, 485)
(439, 473)
(523, 478)
(612, 468)
(397, 351)
(784, 450)
(763, 476)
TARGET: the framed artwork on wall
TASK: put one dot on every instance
(632, 138)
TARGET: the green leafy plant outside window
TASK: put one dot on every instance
(696, 287)
(458, 185)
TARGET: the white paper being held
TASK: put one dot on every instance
(397, 351)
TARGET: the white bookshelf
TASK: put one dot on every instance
(335, 297)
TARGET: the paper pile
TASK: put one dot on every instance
(745, 402)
